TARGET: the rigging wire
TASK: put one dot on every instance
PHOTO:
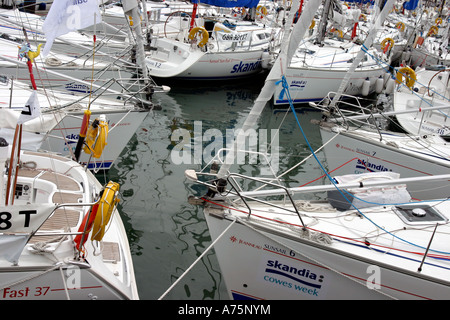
(285, 90)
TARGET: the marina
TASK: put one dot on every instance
(326, 166)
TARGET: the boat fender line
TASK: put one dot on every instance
(387, 44)
(85, 227)
(106, 205)
(410, 76)
(205, 35)
(96, 137)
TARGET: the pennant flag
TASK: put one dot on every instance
(65, 16)
(31, 109)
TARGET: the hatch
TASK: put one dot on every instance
(419, 214)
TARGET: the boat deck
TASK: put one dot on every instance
(56, 188)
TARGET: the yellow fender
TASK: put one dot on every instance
(387, 41)
(261, 10)
(205, 35)
(433, 31)
(410, 76)
(338, 32)
(400, 25)
(106, 205)
(96, 138)
(313, 23)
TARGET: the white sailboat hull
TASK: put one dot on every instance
(208, 66)
(61, 131)
(313, 84)
(267, 264)
(123, 127)
(418, 121)
(217, 60)
(47, 265)
(431, 91)
(62, 139)
(350, 153)
(75, 80)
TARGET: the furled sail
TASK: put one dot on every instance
(283, 60)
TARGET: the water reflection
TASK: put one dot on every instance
(166, 233)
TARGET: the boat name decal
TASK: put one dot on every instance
(72, 138)
(233, 37)
(246, 243)
(308, 277)
(246, 67)
(300, 84)
(7, 217)
(77, 87)
(9, 293)
(366, 165)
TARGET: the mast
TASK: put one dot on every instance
(131, 8)
(283, 60)
(323, 22)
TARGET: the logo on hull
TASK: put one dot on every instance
(246, 67)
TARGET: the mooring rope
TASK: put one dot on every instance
(195, 262)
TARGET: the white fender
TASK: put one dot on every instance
(365, 88)
(379, 85)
